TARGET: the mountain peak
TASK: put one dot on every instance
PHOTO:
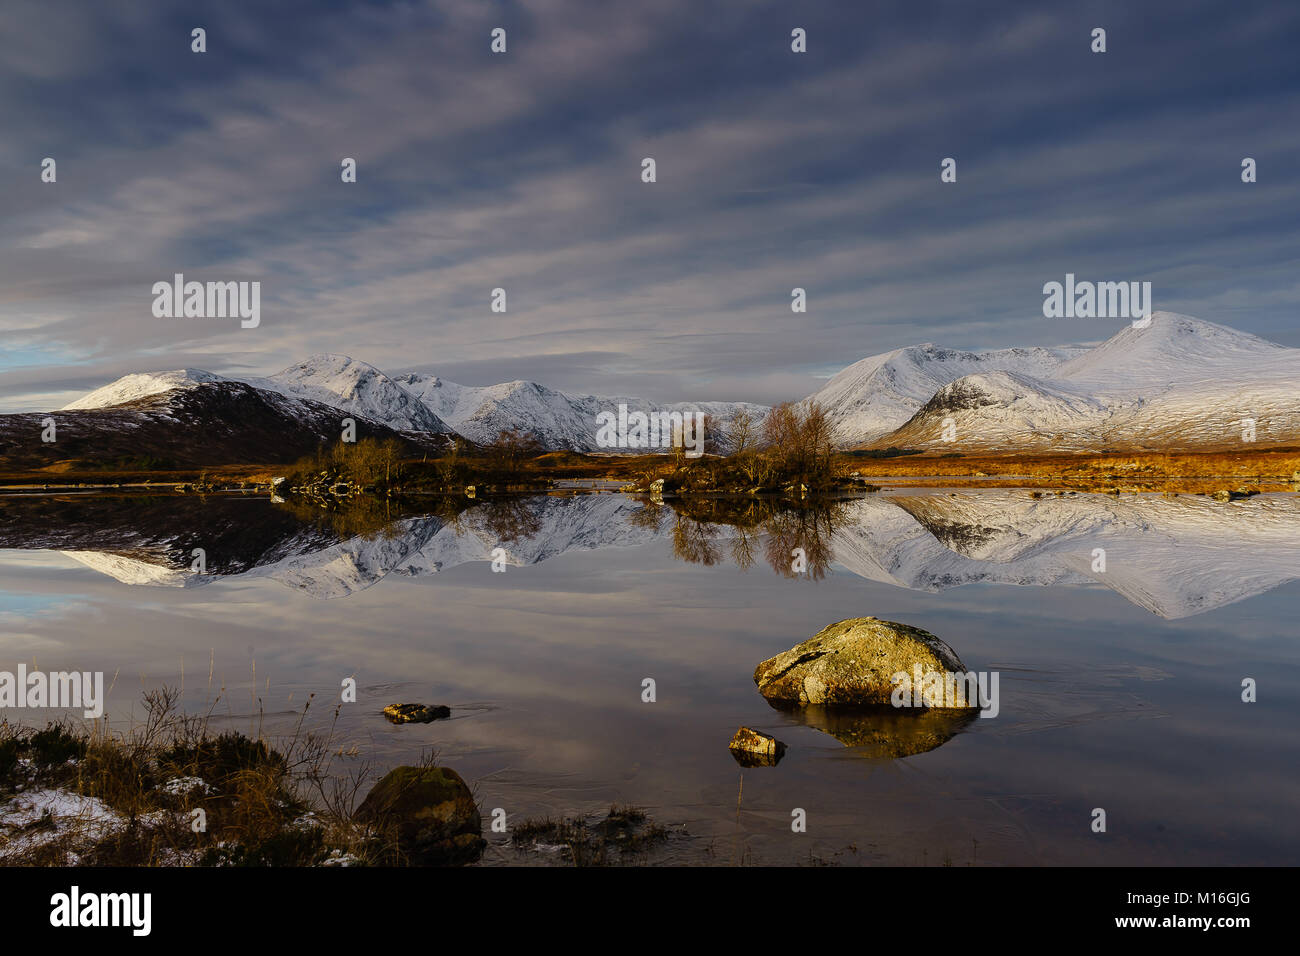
(138, 385)
(327, 362)
(1173, 348)
(874, 396)
(356, 387)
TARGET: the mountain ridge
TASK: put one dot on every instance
(1180, 382)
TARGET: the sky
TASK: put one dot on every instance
(522, 170)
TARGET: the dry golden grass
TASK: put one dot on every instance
(259, 805)
(1270, 469)
(73, 472)
(1194, 473)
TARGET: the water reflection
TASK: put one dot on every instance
(1175, 556)
(795, 539)
(1103, 704)
(881, 733)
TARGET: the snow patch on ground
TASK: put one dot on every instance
(39, 817)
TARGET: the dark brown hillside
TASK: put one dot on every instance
(215, 423)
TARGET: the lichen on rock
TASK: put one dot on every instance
(854, 662)
(751, 748)
(415, 713)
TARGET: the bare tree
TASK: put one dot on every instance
(798, 441)
(511, 449)
(742, 432)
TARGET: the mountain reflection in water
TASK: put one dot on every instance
(1176, 556)
(1102, 703)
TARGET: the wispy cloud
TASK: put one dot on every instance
(522, 171)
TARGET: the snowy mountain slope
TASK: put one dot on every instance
(1174, 349)
(196, 423)
(426, 403)
(556, 420)
(354, 387)
(323, 381)
(996, 409)
(1178, 384)
(131, 388)
(481, 414)
(878, 394)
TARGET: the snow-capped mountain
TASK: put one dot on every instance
(132, 388)
(428, 404)
(334, 381)
(1180, 383)
(357, 388)
(187, 419)
(553, 418)
(1175, 350)
(481, 414)
(872, 397)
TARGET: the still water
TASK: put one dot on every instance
(1120, 688)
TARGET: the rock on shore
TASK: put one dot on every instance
(431, 813)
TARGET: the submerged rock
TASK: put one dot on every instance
(754, 749)
(430, 811)
(854, 662)
(415, 713)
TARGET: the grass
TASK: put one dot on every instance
(1265, 468)
(170, 791)
(173, 791)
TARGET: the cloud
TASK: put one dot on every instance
(522, 171)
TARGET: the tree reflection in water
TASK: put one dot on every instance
(781, 527)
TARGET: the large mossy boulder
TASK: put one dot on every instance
(853, 662)
(430, 811)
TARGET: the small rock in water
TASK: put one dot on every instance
(415, 713)
(1226, 494)
(754, 749)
